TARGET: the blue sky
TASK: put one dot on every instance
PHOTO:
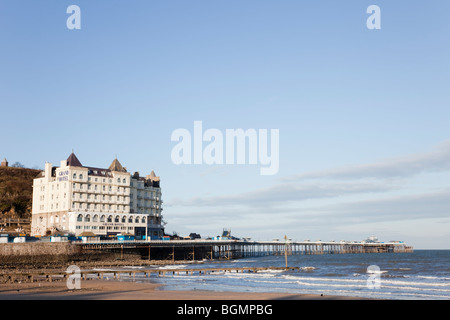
(363, 114)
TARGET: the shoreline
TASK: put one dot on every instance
(127, 290)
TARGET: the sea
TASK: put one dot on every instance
(419, 275)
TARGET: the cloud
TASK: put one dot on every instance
(350, 214)
(358, 198)
(286, 193)
(405, 166)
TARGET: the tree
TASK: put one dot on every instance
(17, 164)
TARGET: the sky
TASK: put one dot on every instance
(363, 115)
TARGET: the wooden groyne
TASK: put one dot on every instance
(127, 274)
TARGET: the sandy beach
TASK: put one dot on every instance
(117, 290)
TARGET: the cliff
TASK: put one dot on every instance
(16, 192)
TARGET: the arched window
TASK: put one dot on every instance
(102, 218)
(109, 218)
(123, 219)
(80, 218)
(130, 219)
(136, 220)
(95, 219)
(143, 220)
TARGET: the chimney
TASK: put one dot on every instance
(48, 171)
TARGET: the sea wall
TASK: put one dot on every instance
(36, 249)
(48, 254)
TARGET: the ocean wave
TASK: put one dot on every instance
(308, 268)
(181, 266)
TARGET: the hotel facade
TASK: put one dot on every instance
(76, 199)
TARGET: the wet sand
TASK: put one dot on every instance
(117, 290)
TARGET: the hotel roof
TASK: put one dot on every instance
(73, 161)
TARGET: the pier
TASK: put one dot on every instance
(235, 249)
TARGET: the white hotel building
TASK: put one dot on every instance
(76, 199)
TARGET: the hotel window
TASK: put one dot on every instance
(124, 181)
(80, 218)
(110, 219)
(116, 219)
(74, 175)
(130, 219)
(81, 176)
(102, 219)
(118, 180)
(123, 219)
(95, 218)
(87, 218)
